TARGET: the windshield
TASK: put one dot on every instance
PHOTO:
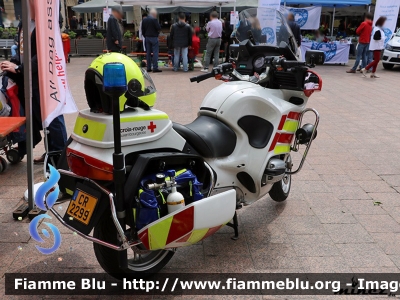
(268, 26)
(398, 33)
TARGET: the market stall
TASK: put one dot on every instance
(335, 52)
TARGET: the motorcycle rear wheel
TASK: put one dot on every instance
(139, 265)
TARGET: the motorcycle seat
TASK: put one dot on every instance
(208, 136)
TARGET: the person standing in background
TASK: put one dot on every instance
(95, 24)
(364, 33)
(141, 37)
(81, 23)
(14, 47)
(214, 29)
(195, 49)
(376, 45)
(228, 39)
(73, 23)
(89, 25)
(342, 29)
(181, 36)
(1, 17)
(151, 29)
(295, 28)
(114, 33)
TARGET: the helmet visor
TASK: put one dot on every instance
(149, 88)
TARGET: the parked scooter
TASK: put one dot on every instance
(182, 183)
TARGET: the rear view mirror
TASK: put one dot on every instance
(315, 57)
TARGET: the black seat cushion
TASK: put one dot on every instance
(208, 136)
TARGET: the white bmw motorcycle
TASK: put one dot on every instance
(148, 186)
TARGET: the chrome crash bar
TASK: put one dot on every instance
(296, 145)
(125, 243)
(212, 178)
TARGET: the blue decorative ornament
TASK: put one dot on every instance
(269, 33)
(55, 233)
(329, 49)
(300, 16)
(46, 201)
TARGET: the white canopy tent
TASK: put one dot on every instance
(97, 6)
(162, 4)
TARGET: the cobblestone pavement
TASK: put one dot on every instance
(330, 223)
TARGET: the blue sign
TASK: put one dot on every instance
(46, 202)
(300, 16)
(329, 49)
(269, 33)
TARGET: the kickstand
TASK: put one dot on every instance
(235, 226)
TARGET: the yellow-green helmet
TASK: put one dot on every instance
(141, 89)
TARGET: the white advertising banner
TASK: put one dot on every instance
(389, 9)
(266, 14)
(234, 17)
(55, 96)
(307, 18)
(106, 14)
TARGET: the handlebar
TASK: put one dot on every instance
(225, 68)
(270, 61)
(202, 77)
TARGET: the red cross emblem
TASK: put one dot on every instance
(152, 127)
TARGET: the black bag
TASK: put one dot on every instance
(377, 35)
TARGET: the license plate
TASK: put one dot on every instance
(82, 206)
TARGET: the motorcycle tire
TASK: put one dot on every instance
(280, 190)
(139, 266)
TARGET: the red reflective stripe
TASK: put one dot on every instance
(184, 239)
(211, 231)
(286, 138)
(294, 115)
(144, 237)
(182, 224)
(276, 138)
(283, 119)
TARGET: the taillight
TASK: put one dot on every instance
(89, 167)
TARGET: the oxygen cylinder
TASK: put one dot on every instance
(175, 200)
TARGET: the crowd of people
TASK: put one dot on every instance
(183, 41)
(76, 23)
(370, 45)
